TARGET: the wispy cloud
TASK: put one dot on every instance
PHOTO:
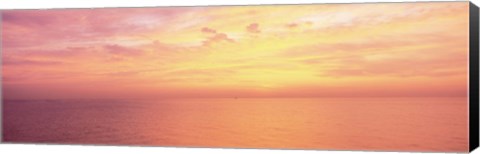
(121, 50)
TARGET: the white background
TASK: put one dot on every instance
(79, 149)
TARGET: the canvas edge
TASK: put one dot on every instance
(473, 77)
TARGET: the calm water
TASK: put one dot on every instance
(405, 124)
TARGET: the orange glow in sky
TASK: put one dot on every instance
(327, 50)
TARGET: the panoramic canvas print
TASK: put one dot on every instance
(373, 76)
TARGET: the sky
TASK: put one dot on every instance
(327, 50)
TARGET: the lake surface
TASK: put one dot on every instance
(381, 124)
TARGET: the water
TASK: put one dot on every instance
(381, 124)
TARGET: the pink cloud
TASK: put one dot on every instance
(122, 50)
(80, 25)
(253, 28)
(49, 53)
(28, 62)
(208, 30)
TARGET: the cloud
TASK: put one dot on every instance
(28, 62)
(67, 52)
(363, 16)
(122, 50)
(201, 72)
(164, 48)
(27, 18)
(197, 75)
(208, 30)
(122, 73)
(390, 61)
(436, 66)
(292, 25)
(68, 26)
(253, 28)
(218, 37)
(215, 36)
(296, 25)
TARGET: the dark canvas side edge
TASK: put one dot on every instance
(474, 77)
